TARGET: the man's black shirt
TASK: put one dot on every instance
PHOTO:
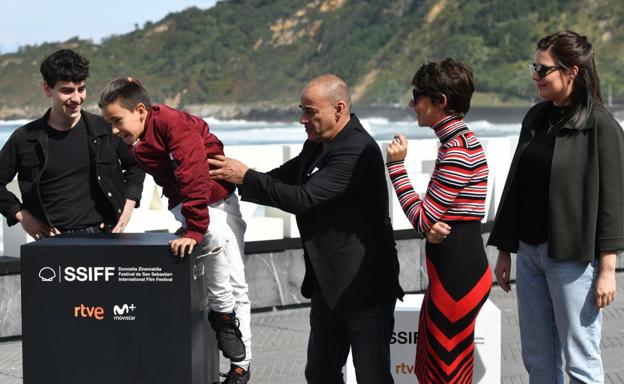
(68, 188)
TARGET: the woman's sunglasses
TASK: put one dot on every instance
(543, 70)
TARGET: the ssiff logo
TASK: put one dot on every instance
(77, 274)
(47, 274)
(88, 273)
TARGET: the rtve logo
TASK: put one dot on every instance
(88, 312)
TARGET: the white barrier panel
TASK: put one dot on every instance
(487, 357)
(13, 237)
(290, 230)
(419, 150)
(499, 153)
(264, 228)
(419, 163)
(262, 158)
(419, 181)
(289, 221)
(271, 223)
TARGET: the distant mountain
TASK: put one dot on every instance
(261, 52)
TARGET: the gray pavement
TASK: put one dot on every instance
(280, 339)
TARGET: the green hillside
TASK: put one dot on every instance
(261, 51)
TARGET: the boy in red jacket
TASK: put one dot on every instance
(173, 146)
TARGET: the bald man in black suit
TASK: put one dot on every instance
(337, 189)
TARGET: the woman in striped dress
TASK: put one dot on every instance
(459, 274)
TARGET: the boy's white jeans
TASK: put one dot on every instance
(223, 247)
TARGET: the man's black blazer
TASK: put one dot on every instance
(340, 198)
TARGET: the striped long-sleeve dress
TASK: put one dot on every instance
(459, 275)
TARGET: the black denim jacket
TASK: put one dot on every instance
(26, 154)
(586, 197)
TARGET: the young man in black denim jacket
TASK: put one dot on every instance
(74, 175)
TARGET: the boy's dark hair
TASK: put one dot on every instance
(450, 78)
(64, 65)
(128, 91)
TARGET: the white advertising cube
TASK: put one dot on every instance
(487, 359)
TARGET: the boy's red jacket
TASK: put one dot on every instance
(174, 149)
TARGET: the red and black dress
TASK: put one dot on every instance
(458, 270)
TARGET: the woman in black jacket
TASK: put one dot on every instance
(562, 212)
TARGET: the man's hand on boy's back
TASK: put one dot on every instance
(228, 169)
(179, 246)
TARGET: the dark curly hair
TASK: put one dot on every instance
(64, 65)
(447, 77)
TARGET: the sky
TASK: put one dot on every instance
(25, 22)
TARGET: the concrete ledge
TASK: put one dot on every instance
(274, 278)
(10, 306)
(9, 265)
(10, 303)
(274, 270)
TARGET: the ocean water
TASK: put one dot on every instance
(243, 132)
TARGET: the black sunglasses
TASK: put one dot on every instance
(416, 93)
(543, 70)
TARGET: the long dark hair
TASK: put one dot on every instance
(569, 49)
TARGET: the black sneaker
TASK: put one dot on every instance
(229, 338)
(237, 375)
